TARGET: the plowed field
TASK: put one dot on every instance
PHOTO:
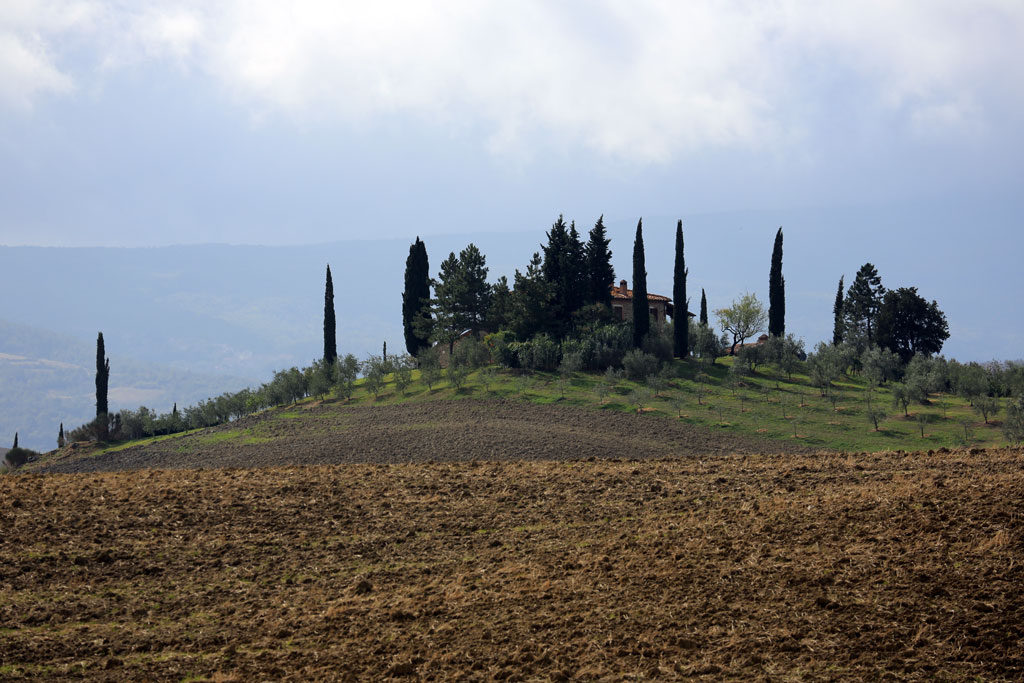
(332, 433)
(732, 566)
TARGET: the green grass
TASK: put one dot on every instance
(766, 404)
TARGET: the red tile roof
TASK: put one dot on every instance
(617, 293)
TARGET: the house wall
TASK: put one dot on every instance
(622, 309)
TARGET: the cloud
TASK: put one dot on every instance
(644, 81)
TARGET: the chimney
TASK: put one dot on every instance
(622, 287)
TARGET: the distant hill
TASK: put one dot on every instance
(48, 378)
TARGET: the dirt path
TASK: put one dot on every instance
(461, 430)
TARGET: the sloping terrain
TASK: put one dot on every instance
(746, 567)
(419, 432)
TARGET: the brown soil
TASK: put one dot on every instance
(419, 432)
(744, 567)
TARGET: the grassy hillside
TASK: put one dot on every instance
(766, 405)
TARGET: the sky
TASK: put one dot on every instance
(153, 123)
(144, 124)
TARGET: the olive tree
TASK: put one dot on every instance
(744, 319)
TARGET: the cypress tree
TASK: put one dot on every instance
(641, 309)
(416, 297)
(330, 329)
(600, 274)
(102, 376)
(777, 291)
(703, 308)
(60, 436)
(15, 440)
(837, 315)
(681, 326)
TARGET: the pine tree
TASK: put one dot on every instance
(102, 376)
(600, 274)
(862, 303)
(681, 328)
(565, 269)
(641, 308)
(330, 328)
(837, 315)
(416, 297)
(703, 308)
(777, 291)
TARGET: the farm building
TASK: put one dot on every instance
(622, 305)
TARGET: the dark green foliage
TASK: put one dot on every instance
(681, 329)
(861, 305)
(639, 365)
(416, 297)
(330, 329)
(15, 441)
(837, 316)
(60, 436)
(777, 291)
(532, 301)
(102, 376)
(641, 309)
(703, 308)
(706, 345)
(16, 457)
(600, 274)
(1013, 424)
(564, 269)
(908, 325)
(462, 295)
(499, 314)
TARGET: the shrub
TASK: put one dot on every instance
(470, 353)
(540, 353)
(659, 343)
(639, 365)
(986, 406)
(16, 457)
(430, 367)
(500, 347)
(1013, 424)
(403, 372)
(346, 372)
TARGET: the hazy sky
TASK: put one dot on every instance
(150, 123)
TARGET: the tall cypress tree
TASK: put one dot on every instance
(15, 440)
(681, 325)
(600, 274)
(777, 291)
(330, 328)
(60, 436)
(837, 316)
(703, 308)
(102, 376)
(641, 309)
(416, 297)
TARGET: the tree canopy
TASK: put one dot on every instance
(907, 324)
(416, 297)
(641, 309)
(330, 329)
(861, 305)
(744, 319)
(777, 291)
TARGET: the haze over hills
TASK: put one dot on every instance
(212, 318)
